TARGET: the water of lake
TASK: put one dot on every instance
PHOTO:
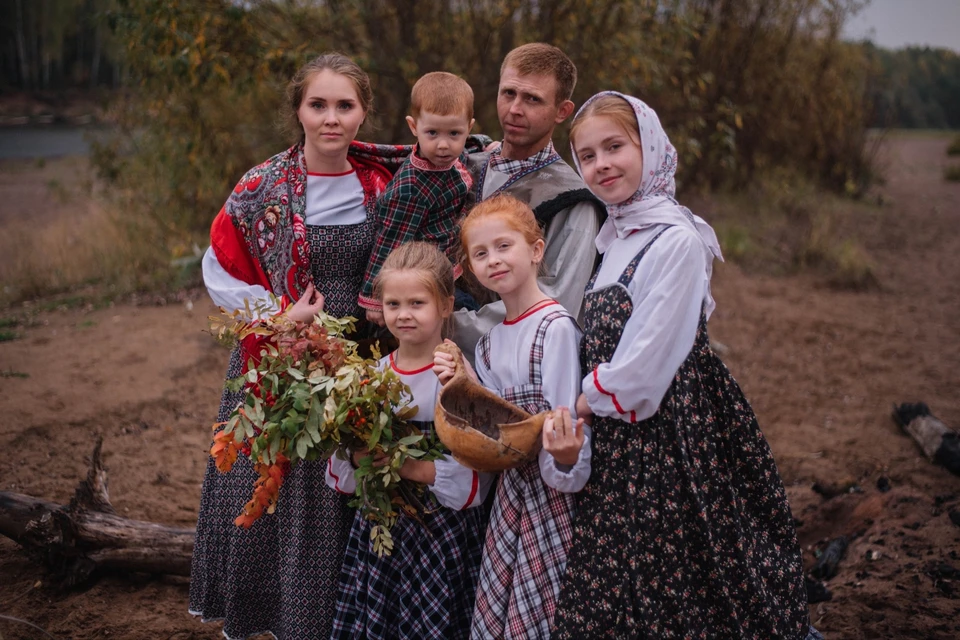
(47, 142)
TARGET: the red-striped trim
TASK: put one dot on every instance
(393, 365)
(370, 304)
(331, 175)
(335, 477)
(543, 304)
(596, 382)
(473, 491)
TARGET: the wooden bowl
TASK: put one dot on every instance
(482, 430)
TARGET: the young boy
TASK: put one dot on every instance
(425, 199)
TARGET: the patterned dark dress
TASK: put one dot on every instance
(683, 530)
(425, 589)
(280, 575)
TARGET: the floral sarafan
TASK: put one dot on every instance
(311, 396)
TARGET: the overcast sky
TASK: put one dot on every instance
(895, 24)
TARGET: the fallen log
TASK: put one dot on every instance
(829, 561)
(87, 535)
(938, 442)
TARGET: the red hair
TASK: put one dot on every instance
(515, 213)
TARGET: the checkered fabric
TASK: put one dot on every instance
(525, 552)
(516, 169)
(420, 203)
(512, 167)
(425, 589)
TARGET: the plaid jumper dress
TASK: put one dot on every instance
(530, 528)
(425, 589)
(683, 530)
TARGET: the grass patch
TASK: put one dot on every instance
(954, 148)
(86, 324)
(782, 225)
(7, 336)
(92, 249)
(8, 323)
(10, 373)
(952, 173)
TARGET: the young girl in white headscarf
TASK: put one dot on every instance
(683, 530)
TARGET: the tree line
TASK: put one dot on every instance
(53, 45)
(742, 86)
(919, 88)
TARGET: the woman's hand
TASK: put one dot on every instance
(562, 438)
(375, 317)
(584, 410)
(308, 306)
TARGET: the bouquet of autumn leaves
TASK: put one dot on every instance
(311, 396)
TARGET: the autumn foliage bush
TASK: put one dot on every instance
(309, 396)
(741, 85)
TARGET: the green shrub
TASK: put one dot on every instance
(954, 148)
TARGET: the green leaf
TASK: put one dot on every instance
(302, 446)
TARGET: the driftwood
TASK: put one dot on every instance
(940, 443)
(87, 535)
(829, 561)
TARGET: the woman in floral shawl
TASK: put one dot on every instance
(684, 530)
(301, 227)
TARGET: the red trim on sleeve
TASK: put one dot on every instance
(370, 304)
(596, 382)
(335, 477)
(473, 491)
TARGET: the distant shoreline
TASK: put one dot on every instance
(68, 108)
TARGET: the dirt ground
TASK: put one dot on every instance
(823, 369)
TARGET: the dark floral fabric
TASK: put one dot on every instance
(683, 530)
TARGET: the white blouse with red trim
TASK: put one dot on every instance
(511, 346)
(667, 291)
(456, 486)
(331, 199)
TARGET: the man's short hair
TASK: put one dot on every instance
(443, 94)
(539, 59)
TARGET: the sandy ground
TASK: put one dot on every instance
(822, 367)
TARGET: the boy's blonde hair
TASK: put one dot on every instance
(539, 59)
(443, 94)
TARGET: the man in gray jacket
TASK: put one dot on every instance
(536, 83)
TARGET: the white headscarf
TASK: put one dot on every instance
(653, 203)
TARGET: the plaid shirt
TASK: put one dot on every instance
(424, 203)
(512, 167)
